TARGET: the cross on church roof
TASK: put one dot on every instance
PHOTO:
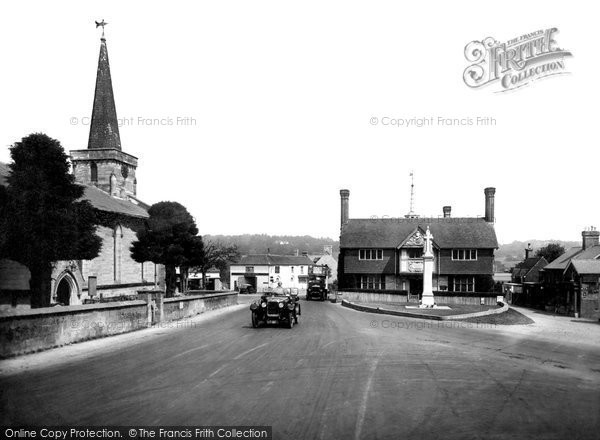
(101, 23)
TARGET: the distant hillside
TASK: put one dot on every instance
(276, 244)
(509, 253)
(515, 251)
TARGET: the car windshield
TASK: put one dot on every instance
(275, 293)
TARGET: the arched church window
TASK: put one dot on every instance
(94, 170)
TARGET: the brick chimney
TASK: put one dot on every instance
(345, 199)
(489, 204)
(528, 250)
(447, 211)
(590, 237)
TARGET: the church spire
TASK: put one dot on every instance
(104, 128)
(103, 164)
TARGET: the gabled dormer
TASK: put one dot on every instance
(410, 252)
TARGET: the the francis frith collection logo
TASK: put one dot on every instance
(514, 63)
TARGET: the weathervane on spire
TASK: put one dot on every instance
(101, 23)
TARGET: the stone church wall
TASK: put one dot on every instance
(117, 273)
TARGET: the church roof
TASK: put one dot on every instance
(104, 127)
(104, 202)
(99, 199)
(450, 232)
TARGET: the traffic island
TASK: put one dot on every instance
(452, 313)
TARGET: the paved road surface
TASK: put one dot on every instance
(339, 374)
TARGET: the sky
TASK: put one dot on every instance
(255, 114)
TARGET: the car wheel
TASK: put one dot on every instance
(254, 320)
(296, 318)
(290, 322)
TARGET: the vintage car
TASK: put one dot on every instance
(246, 288)
(275, 308)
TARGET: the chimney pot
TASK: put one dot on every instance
(447, 211)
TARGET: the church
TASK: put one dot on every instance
(108, 175)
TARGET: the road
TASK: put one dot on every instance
(338, 374)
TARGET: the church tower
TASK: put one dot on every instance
(103, 164)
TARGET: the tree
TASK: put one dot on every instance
(194, 252)
(218, 255)
(170, 238)
(550, 252)
(3, 213)
(43, 219)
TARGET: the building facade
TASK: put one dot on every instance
(528, 271)
(264, 272)
(571, 283)
(108, 176)
(327, 259)
(387, 253)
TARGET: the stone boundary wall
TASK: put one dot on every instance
(27, 331)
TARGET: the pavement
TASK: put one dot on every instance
(340, 373)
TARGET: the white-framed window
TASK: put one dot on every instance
(372, 282)
(463, 284)
(370, 254)
(415, 253)
(464, 254)
(277, 269)
(249, 269)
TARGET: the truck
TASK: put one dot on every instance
(317, 283)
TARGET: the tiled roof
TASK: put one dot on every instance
(274, 260)
(528, 263)
(562, 261)
(452, 232)
(574, 253)
(524, 267)
(586, 267)
(590, 253)
(104, 202)
(4, 172)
